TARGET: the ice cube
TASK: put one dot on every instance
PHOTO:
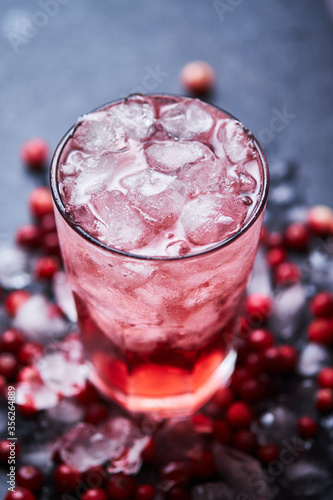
(133, 118)
(38, 320)
(63, 295)
(206, 174)
(260, 281)
(96, 132)
(212, 491)
(318, 267)
(301, 397)
(125, 228)
(313, 358)
(158, 197)
(287, 315)
(281, 170)
(186, 120)
(237, 143)
(282, 195)
(242, 473)
(169, 156)
(66, 412)
(177, 248)
(14, 267)
(35, 395)
(211, 218)
(177, 440)
(275, 425)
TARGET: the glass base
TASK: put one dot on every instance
(179, 404)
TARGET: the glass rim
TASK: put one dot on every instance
(81, 232)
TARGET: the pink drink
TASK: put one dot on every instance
(159, 209)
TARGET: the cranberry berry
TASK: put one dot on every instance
(307, 427)
(40, 202)
(11, 341)
(29, 477)
(20, 494)
(322, 305)
(325, 378)
(240, 415)
(34, 153)
(324, 401)
(198, 77)
(94, 494)
(121, 486)
(66, 478)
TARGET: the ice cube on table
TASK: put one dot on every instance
(133, 118)
(38, 320)
(14, 267)
(63, 295)
(40, 455)
(313, 358)
(212, 218)
(242, 473)
(66, 412)
(288, 311)
(318, 267)
(158, 197)
(275, 425)
(169, 156)
(212, 491)
(301, 397)
(237, 144)
(35, 395)
(282, 195)
(177, 440)
(185, 120)
(125, 228)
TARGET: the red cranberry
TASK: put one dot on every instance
(66, 478)
(246, 326)
(319, 220)
(245, 440)
(96, 413)
(40, 202)
(204, 466)
(46, 267)
(259, 307)
(289, 357)
(29, 374)
(177, 472)
(324, 400)
(8, 449)
(95, 477)
(28, 236)
(320, 330)
(87, 395)
(287, 273)
(47, 224)
(276, 256)
(260, 340)
(325, 378)
(8, 365)
(297, 236)
(254, 363)
(28, 476)
(11, 341)
(50, 244)
(222, 432)
(307, 427)
(94, 494)
(322, 305)
(20, 494)
(252, 391)
(275, 239)
(272, 360)
(179, 493)
(34, 153)
(30, 352)
(121, 487)
(202, 424)
(268, 453)
(15, 300)
(145, 492)
(198, 77)
(238, 377)
(239, 415)
(148, 453)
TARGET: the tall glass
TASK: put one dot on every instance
(158, 331)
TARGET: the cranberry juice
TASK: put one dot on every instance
(159, 209)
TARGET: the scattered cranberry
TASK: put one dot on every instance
(40, 202)
(28, 476)
(238, 377)
(198, 77)
(245, 440)
(46, 267)
(297, 236)
(276, 256)
(322, 305)
(15, 300)
(121, 487)
(29, 374)
(30, 352)
(8, 448)
(324, 400)
(66, 478)
(34, 153)
(50, 244)
(179, 493)
(320, 330)
(307, 427)
(272, 360)
(95, 477)
(254, 363)
(8, 365)
(202, 424)
(28, 236)
(239, 415)
(261, 339)
(148, 453)
(252, 391)
(319, 220)
(47, 224)
(222, 432)
(20, 494)
(287, 273)
(204, 467)
(288, 357)
(94, 494)
(259, 307)
(96, 413)
(268, 453)
(11, 341)
(275, 239)
(88, 395)
(325, 378)
(145, 492)
(177, 472)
